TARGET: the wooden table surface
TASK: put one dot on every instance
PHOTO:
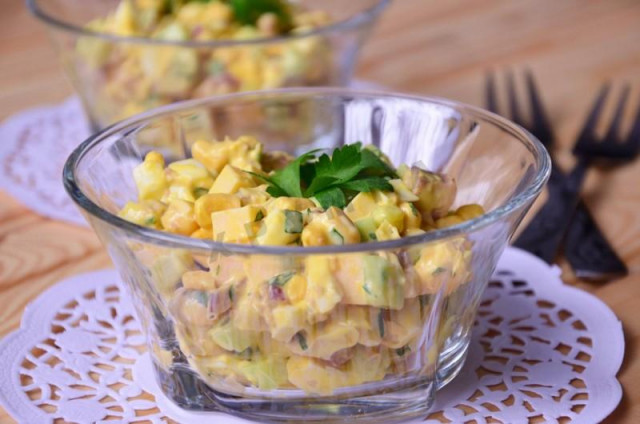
(434, 47)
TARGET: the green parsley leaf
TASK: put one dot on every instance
(367, 184)
(247, 12)
(331, 197)
(286, 181)
(371, 160)
(332, 180)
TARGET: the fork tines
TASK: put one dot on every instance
(538, 124)
(611, 146)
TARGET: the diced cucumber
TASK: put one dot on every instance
(230, 338)
(367, 228)
(381, 283)
(266, 373)
(336, 237)
(172, 32)
(293, 222)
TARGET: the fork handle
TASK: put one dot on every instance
(588, 251)
(544, 234)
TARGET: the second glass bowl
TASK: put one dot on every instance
(118, 76)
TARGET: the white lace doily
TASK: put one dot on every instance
(539, 349)
(34, 145)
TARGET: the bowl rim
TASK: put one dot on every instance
(366, 15)
(158, 237)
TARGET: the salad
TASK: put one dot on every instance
(124, 78)
(316, 323)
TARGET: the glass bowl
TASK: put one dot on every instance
(118, 76)
(232, 345)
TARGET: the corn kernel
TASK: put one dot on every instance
(213, 202)
(253, 196)
(448, 221)
(467, 212)
(178, 218)
(296, 288)
(179, 190)
(146, 213)
(212, 155)
(192, 172)
(314, 235)
(150, 178)
(202, 233)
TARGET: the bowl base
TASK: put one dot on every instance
(451, 364)
(413, 399)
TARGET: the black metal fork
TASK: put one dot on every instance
(581, 247)
(583, 229)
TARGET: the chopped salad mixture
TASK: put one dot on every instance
(317, 322)
(124, 78)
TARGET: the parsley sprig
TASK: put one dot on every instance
(332, 180)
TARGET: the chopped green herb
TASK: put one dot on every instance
(373, 236)
(424, 301)
(404, 349)
(150, 221)
(331, 180)
(259, 216)
(381, 323)
(367, 289)
(282, 279)
(336, 237)
(302, 341)
(218, 269)
(246, 354)
(198, 192)
(438, 270)
(414, 209)
(232, 293)
(292, 222)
